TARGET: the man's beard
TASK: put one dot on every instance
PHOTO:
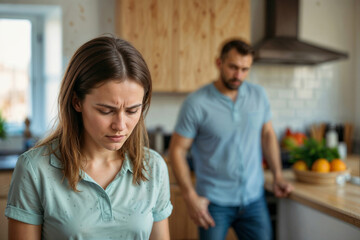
(228, 83)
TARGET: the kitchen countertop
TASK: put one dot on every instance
(341, 202)
(8, 162)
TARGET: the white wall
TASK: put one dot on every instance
(357, 76)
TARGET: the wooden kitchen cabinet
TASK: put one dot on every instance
(5, 179)
(181, 225)
(180, 39)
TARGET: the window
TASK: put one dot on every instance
(15, 71)
(30, 65)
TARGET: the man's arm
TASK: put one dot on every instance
(271, 152)
(21, 231)
(197, 205)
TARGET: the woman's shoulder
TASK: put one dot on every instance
(155, 160)
(154, 157)
(35, 158)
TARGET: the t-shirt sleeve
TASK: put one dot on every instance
(163, 206)
(188, 119)
(24, 202)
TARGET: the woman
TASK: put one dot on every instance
(92, 178)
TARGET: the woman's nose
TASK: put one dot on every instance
(118, 123)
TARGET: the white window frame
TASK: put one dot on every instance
(37, 83)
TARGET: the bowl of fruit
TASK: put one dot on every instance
(317, 164)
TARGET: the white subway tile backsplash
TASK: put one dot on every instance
(305, 114)
(286, 93)
(285, 113)
(278, 104)
(304, 94)
(271, 92)
(276, 82)
(297, 104)
(312, 84)
(311, 104)
(295, 83)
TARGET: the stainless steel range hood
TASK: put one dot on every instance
(282, 45)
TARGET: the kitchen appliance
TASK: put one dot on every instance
(156, 139)
(282, 44)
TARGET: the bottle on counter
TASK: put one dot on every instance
(332, 137)
(342, 148)
(159, 140)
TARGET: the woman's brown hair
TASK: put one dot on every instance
(97, 61)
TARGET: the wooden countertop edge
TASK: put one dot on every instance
(320, 206)
(327, 209)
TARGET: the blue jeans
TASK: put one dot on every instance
(249, 222)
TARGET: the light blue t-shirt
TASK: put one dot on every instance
(226, 145)
(39, 195)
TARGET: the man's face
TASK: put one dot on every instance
(234, 68)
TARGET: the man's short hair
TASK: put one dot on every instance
(241, 47)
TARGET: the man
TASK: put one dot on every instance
(227, 126)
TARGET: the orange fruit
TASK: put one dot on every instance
(321, 165)
(300, 165)
(337, 165)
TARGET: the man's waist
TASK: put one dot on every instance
(229, 193)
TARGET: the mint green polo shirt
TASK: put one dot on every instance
(39, 195)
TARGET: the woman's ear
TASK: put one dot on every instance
(76, 103)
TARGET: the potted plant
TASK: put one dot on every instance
(2, 127)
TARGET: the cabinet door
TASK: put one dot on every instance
(195, 48)
(181, 225)
(5, 179)
(204, 26)
(231, 19)
(180, 39)
(3, 219)
(147, 24)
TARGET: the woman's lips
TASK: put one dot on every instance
(116, 138)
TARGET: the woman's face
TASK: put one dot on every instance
(110, 113)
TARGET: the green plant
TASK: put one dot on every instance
(2, 127)
(311, 151)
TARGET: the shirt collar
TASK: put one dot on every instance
(127, 165)
(54, 161)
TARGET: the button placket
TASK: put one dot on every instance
(105, 206)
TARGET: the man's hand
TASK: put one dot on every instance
(198, 211)
(282, 188)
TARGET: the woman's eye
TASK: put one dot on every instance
(132, 111)
(104, 112)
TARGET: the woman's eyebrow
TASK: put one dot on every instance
(135, 106)
(106, 106)
(114, 108)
